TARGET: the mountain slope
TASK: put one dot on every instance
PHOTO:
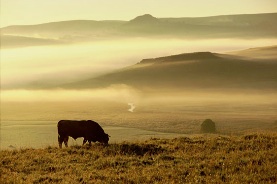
(268, 53)
(200, 70)
(64, 29)
(225, 26)
(8, 41)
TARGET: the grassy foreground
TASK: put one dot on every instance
(210, 159)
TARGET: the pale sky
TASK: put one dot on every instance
(24, 12)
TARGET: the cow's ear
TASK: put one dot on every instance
(108, 135)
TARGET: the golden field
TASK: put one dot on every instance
(250, 158)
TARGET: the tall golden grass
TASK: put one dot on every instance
(250, 158)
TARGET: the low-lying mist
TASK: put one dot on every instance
(125, 94)
(58, 64)
(165, 111)
(121, 93)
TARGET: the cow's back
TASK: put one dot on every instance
(71, 128)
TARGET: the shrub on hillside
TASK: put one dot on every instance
(208, 126)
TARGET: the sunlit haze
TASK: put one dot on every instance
(153, 66)
(69, 63)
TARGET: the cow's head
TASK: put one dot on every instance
(105, 138)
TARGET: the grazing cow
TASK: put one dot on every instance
(90, 130)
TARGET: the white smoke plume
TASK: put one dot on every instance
(132, 107)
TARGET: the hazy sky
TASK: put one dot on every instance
(40, 11)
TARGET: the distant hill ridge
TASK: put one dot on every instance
(223, 26)
(199, 70)
(147, 18)
(247, 69)
(195, 20)
(182, 57)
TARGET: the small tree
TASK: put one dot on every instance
(208, 126)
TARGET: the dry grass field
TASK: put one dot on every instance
(250, 158)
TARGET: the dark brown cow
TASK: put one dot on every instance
(90, 130)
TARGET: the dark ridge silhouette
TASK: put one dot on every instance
(182, 57)
(201, 70)
(266, 53)
(147, 18)
(145, 25)
(9, 41)
(70, 25)
(225, 26)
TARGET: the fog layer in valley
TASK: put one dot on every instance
(50, 66)
(113, 104)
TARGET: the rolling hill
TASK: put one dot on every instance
(264, 53)
(200, 70)
(224, 26)
(75, 30)
(9, 41)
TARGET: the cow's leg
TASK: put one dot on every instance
(60, 140)
(65, 140)
(84, 141)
